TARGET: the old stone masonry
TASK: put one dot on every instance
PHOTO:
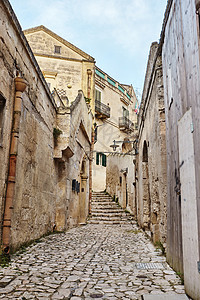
(95, 261)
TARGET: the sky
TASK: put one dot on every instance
(117, 33)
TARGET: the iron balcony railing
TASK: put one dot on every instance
(125, 123)
(102, 110)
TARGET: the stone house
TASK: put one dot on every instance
(42, 139)
(68, 69)
(151, 159)
(180, 40)
(115, 119)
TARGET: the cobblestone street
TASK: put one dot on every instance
(90, 262)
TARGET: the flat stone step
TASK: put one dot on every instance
(107, 213)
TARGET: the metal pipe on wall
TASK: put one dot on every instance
(20, 86)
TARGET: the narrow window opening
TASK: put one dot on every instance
(2, 106)
(57, 49)
(97, 95)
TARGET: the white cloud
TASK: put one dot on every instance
(120, 29)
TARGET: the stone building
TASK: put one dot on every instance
(115, 118)
(180, 41)
(67, 69)
(43, 138)
(151, 160)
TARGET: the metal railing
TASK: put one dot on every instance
(125, 123)
(102, 109)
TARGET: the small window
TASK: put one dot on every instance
(101, 159)
(2, 106)
(97, 95)
(49, 85)
(57, 49)
(125, 112)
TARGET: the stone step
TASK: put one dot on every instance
(110, 222)
(109, 213)
(106, 211)
(105, 203)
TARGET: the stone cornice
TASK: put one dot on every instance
(61, 57)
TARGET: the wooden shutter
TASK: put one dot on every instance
(103, 160)
(97, 158)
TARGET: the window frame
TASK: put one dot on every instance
(56, 47)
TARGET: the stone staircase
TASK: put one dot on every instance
(106, 211)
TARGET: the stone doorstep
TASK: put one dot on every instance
(165, 297)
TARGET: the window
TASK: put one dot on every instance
(125, 112)
(2, 106)
(57, 49)
(101, 159)
(98, 95)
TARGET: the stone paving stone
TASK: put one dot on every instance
(90, 262)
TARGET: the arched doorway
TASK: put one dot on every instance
(83, 206)
(145, 188)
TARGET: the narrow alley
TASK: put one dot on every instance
(90, 262)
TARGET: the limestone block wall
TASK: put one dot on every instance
(151, 161)
(33, 211)
(73, 147)
(120, 180)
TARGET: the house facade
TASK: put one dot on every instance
(113, 105)
(115, 119)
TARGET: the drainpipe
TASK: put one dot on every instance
(89, 73)
(20, 85)
(90, 171)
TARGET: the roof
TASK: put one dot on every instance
(61, 40)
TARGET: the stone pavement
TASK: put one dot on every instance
(90, 262)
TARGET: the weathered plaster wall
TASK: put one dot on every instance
(151, 161)
(120, 179)
(181, 76)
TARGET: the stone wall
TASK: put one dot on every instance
(181, 76)
(72, 160)
(120, 180)
(151, 161)
(45, 166)
(33, 211)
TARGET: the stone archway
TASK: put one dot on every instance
(145, 188)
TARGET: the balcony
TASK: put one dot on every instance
(102, 111)
(125, 124)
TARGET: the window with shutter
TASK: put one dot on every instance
(98, 95)
(103, 160)
(97, 158)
